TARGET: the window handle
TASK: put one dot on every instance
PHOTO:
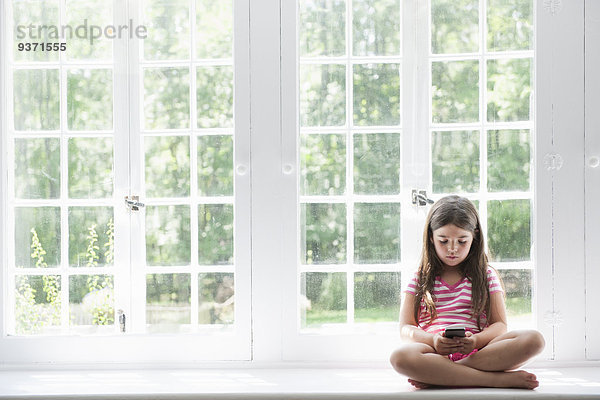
(133, 203)
(420, 199)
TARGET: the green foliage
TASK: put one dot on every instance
(376, 27)
(509, 230)
(323, 32)
(455, 91)
(327, 297)
(37, 168)
(90, 100)
(455, 161)
(323, 164)
(454, 26)
(377, 94)
(167, 166)
(377, 163)
(36, 99)
(509, 160)
(324, 233)
(377, 233)
(322, 95)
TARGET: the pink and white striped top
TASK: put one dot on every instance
(453, 303)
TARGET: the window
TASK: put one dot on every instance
(274, 160)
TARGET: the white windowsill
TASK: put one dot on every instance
(573, 382)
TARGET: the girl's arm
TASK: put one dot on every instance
(496, 320)
(409, 331)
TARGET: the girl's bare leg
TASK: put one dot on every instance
(423, 366)
(506, 352)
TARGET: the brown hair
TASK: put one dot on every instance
(462, 213)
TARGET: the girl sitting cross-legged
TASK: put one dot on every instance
(455, 286)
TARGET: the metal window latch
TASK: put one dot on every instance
(420, 199)
(133, 203)
(121, 315)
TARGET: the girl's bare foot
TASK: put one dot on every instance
(420, 385)
(518, 379)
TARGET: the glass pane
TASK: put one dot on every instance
(510, 25)
(167, 166)
(91, 236)
(216, 299)
(29, 17)
(37, 168)
(377, 296)
(36, 99)
(322, 28)
(168, 235)
(37, 304)
(168, 301)
(509, 230)
(166, 98)
(322, 95)
(455, 161)
(454, 26)
(90, 168)
(215, 234)
(509, 89)
(91, 300)
(377, 233)
(323, 165)
(323, 233)
(323, 298)
(215, 165)
(168, 26)
(376, 27)
(509, 160)
(37, 237)
(377, 163)
(377, 94)
(214, 29)
(215, 97)
(455, 90)
(518, 285)
(90, 22)
(89, 99)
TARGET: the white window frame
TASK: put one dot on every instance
(565, 206)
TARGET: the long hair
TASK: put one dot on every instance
(460, 212)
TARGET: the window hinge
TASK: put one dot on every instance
(420, 199)
(121, 315)
(133, 203)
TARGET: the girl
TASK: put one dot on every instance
(455, 286)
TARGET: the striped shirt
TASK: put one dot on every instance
(453, 303)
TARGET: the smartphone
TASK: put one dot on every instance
(454, 332)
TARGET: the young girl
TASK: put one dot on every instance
(455, 286)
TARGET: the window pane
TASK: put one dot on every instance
(91, 236)
(37, 237)
(454, 26)
(215, 165)
(377, 233)
(90, 168)
(92, 301)
(322, 28)
(323, 165)
(377, 94)
(509, 160)
(215, 97)
(509, 230)
(377, 163)
(455, 161)
(214, 29)
(34, 13)
(168, 235)
(166, 98)
(510, 25)
(377, 296)
(322, 95)
(455, 88)
(89, 99)
(215, 234)
(168, 26)
(168, 302)
(167, 166)
(376, 27)
(323, 298)
(323, 233)
(37, 168)
(216, 299)
(97, 15)
(509, 90)
(36, 99)
(37, 304)
(518, 285)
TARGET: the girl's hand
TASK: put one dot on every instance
(444, 345)
(468, 343)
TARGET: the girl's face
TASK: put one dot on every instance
(452, 244)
